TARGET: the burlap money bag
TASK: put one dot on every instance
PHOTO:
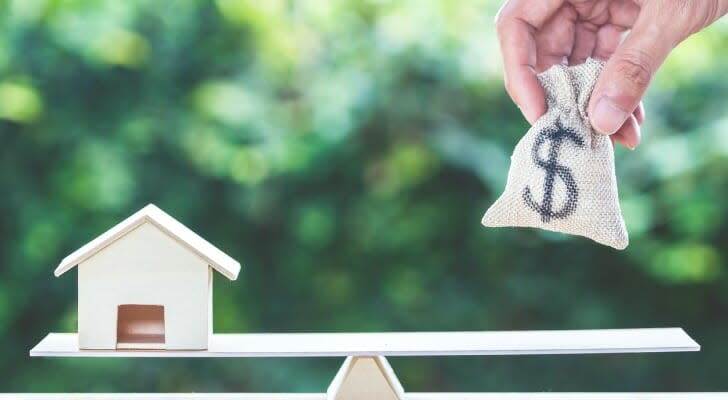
(562, 172)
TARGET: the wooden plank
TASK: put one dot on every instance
(566, 396)
(402, 344)
(408, 396)
(166, 396)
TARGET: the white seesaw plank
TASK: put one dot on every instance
(567, 396)
(407, 396)
(165, 396)
(600, 341)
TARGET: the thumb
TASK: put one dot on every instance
(629, 71)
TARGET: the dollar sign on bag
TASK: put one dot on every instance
(555, 136)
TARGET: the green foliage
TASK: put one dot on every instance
(344, 151)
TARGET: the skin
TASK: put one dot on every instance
(633, 36)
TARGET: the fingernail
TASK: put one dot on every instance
(607, 117)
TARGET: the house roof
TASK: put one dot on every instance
(218, 260)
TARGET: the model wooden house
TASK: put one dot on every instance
(146, 283)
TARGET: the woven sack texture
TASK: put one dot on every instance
(562, 175)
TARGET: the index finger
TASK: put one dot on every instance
(516, 24)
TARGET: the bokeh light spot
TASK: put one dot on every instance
(122, 47)
(19, 103)
(686, 263)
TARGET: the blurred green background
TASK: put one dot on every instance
(344, 151)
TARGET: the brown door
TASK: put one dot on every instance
(140, 326)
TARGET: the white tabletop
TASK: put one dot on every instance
(407, 396)
(602, 341)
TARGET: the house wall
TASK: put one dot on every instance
(145, 267)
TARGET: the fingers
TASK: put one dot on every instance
(623, 13)
(516, 25)
(585, 41)
(630, 69)
(639, 113)
(629, 134)
(519, 58)
(555, 39)
(607, 41)
(518, 48)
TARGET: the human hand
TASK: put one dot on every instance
(536, 34)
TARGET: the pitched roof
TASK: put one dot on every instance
(218, 260)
